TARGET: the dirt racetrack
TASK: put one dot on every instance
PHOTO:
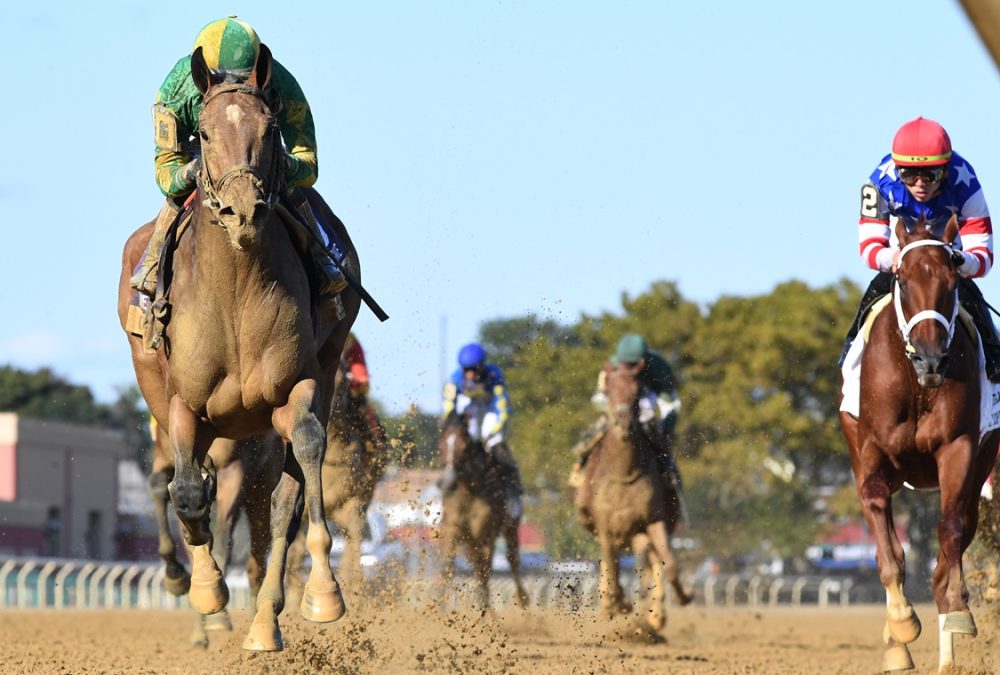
(698, 640)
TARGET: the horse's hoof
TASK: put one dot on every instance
(896, 657)
(905, 630)
(960, 622)
(263, 638)
(322, 606)
(209, 598)
(656, 621)
(219, 621)
(177, 585)
(684, 599)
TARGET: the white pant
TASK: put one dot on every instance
(482, 425)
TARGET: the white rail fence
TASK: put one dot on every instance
(59, 583)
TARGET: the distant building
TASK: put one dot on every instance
(71, 491)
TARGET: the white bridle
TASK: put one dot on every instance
(906, 326)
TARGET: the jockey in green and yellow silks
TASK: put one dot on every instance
(230, 48)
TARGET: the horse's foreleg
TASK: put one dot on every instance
(176, 580)
(264, 634)
(192, 496)
(481, 556)
(652, 585)
(612, 598)
(257, 504)
(660, 540)
(514, 560)
(350, 564)
(956, 528)
(902, 624)
(228, 504)
(300, 422)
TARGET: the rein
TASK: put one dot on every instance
(906, 326)
(268, 184)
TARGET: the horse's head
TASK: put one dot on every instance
(621, 385)
(242, 161)
(452, 445)
(926, 298)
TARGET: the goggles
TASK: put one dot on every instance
(930, 174)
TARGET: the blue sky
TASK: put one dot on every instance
(491, 159)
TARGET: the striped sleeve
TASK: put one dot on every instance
(873, 229)
(976, 234)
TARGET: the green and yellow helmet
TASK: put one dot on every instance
(229, 45)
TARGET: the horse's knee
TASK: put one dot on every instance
(874, 493)
(309, 441)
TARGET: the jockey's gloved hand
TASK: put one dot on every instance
(191, 169)
(966, 263)
(493, 441)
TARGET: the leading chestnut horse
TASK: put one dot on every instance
(919, 423)
(246, 349)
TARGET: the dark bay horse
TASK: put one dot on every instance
(623, 501)
(246, 348)
(246, 472)
(919, 423)
(473, 512)
(350, 473)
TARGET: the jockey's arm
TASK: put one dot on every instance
(175, 120)
(599, 399)
(298, 130)
(873, 230)
(448, 404)
(976, 234)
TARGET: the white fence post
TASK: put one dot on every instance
(4, 572)
(43, 587)
(60, 585)
(22, 583)
(109, 585)
(81, 584)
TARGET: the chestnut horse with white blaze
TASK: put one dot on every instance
(919, 423)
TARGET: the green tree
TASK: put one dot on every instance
(759, 433)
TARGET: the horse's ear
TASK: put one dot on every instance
(261, 75)
(951, 230)
(200, 72)
(902, 235)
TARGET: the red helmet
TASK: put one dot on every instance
(921, 142)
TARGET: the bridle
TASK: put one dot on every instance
(905, 326)
(269, 184)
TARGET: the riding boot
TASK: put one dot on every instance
(974, 303)
(330, 279)
(881, 285)
(144, 277)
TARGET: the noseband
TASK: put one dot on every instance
(906, 326)
(267, 184)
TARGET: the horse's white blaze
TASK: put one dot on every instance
(234, 113)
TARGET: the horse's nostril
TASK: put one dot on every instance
(227, 211)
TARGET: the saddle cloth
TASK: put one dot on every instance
(989, 409)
